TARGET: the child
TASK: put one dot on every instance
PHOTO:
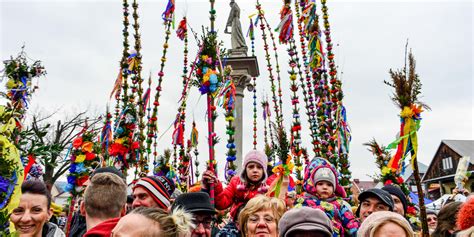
(321, 186)
(241, 188)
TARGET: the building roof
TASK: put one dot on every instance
(447, 177)
(462, 147)
(364, 185)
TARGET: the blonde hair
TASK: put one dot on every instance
(378, 225)
(260, 203)
(178, 223)
(106, 195)
(378, 219)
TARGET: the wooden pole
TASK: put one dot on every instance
(421, 201)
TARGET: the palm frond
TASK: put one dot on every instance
(407, 85)
(282, 148)
(381, 155)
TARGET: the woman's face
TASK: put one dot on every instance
(30, 216)
(432, 221)
(262, 224)
(254, 172)
(390, 229)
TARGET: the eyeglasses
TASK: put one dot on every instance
(205, 223)
(432, 219)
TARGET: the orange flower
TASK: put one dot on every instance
(417, 109)
(87, 146)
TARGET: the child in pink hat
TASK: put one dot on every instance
(241, 189)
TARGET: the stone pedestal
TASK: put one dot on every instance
(243, 69)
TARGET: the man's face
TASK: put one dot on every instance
(141, 198)
(203, 223)
(371, 205)
(398, 207)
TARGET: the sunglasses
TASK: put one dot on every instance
(432, 219)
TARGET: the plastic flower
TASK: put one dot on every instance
(80, 158)
(407, 112)
(135, 145)
(386, 170)
(77, 142)
(80, 181)
(87, 146)
(90, 156)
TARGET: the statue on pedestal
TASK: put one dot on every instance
(237, 37)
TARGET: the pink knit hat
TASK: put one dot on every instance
(257, 157)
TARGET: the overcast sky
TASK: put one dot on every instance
(80, 44)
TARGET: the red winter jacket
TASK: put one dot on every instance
(104, 229)
(235, 194)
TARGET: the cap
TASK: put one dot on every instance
(306, 219)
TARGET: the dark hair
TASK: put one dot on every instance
(447, 219)
(36, 187)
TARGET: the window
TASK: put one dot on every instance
(447, 163)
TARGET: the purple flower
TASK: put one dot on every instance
(231, 172)
(71, 180)
(4, 184)
(203, 89)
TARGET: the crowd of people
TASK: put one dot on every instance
(157, 208)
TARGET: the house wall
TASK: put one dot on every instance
(436, 170)
(449, 186)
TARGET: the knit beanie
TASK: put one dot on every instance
(396, 191)
(324, 174)
(159, 187)
(377, 219)
(257, 157)
(312, 168)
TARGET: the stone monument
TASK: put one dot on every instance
(243, 69)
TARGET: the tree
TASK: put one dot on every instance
(48, 143)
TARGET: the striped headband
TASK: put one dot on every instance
(158, 190)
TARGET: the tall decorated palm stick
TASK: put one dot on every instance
(286, 36)
(277, 63)
(340, 130)
(19, 75)
(209, 79)
(227, 101)
(251, 34)
(275, 100)
(407, 87)
(152, 129)
(120, 89)
(123, 150)
(307, 90)
(138, 90)
(178, 134)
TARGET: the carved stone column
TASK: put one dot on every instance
(243, 69)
